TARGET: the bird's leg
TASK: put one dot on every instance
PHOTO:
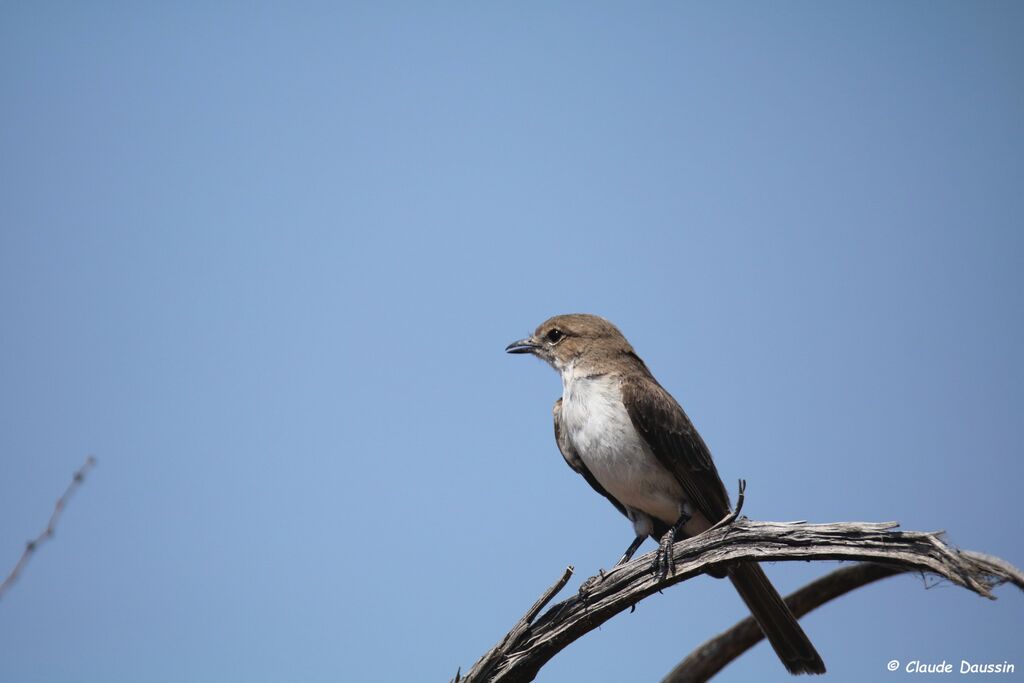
(628, 555)
(664, 563)
(594, 580)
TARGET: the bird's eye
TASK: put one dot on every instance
(555, 336)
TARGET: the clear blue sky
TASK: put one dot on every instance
(263, 263)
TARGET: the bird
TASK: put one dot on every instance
(618, 428)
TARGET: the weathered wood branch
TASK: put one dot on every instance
(533, 641)
(711, 656)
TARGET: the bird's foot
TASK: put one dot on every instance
(590, 583)
(664, 562)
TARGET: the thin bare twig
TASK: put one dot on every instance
(513, 637)
(51, 525)
(731, 517)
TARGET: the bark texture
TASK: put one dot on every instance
(536, 637)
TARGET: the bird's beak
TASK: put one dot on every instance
(527, 345)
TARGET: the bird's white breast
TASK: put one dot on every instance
(599, 428)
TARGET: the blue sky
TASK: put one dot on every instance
(263, 261)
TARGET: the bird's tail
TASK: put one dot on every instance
(788, 640)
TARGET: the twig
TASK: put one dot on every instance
(513, 637)
(51, 526)
(731, 517)
(743, 540)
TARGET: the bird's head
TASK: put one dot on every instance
(568, 340)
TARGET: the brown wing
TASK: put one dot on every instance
(676, 443)
(574, 461)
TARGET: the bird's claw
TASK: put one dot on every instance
(664, 561)
(589, 584)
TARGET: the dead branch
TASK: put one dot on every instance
(710, 657)
(51, 526)
(533, 642)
